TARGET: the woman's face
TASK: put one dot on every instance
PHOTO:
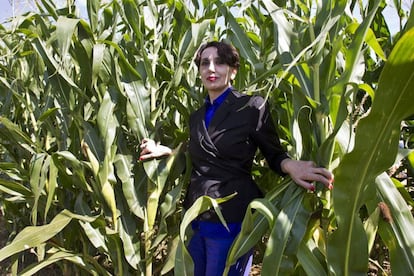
(215, 74)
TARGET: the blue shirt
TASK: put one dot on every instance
(212, 107)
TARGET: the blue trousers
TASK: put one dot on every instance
(209, 247)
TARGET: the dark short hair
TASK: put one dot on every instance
(227, 52)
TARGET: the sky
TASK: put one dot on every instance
(6, 10)
(22, 6)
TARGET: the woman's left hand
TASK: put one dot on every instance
(150, 149)
(304, 173)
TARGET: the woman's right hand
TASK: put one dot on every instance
(150, 149)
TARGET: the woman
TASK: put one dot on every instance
(224, 136)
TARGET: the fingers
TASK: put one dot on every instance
(146, 143)
(305, 174)
(143, 157)
(150, 149)
(146, 149)
(305, 184)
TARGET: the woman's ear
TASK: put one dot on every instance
(233, 73)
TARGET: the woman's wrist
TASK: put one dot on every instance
(164, 150)
(284, 165)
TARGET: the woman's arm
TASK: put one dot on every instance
(150, 149)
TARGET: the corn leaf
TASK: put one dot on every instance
(376, 145)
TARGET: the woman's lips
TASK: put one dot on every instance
(212, 78)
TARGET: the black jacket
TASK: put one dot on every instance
(222, 156)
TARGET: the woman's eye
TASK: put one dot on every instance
(219, 61)
(205, 63)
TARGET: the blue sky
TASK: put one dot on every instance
(6, 11)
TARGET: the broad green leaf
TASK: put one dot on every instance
(308, 259)
(352, 71)
(137, 108)
(183, 262)
(13, 132)
(241, 41)
(252, 229)
(51, 185)
(93, 267)
(170, 263)
(93, 13)
(395, 227)
(376, 145)
(371, 226)
(92, 229)
(14, 188)
(282, 232)
(107, 181)
(52, 63)
(38, 172)
(125, 65)
(370, 39)
(157, 172)
(107, 122)
(65, 160)
(65, 28)
(50, 8)
(123, 165)
(33, 236)
(255, 225)
(131, 244)
(97, 61)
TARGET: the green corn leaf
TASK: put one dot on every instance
(131, 244)
(137, 108)
(255, 225)
(13, 133)
(92, 229)
(353, 70)
(65, 160)
(183, 262)
(157, 172)
(252, 229)
(241, 40)
(33, 236)
(107, 122)
(38, 174)
(395, 227)
(107, 180)
(86, 263)
(93, 13)
(52, 63)
(97, 61)
(14, 188)
(51, 185)
(376, 145)
(281, 232)
(65, 29)
(308, 259)
(170, 262)
(123, 164)
(370, 39)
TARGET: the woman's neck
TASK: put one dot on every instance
(215, 94)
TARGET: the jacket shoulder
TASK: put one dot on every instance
(255, 101)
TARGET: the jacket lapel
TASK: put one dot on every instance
(221, 113)
(203, 136)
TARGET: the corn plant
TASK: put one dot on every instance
(79, 92)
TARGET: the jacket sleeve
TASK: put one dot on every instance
(266, 137)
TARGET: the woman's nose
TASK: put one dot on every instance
(211, 66)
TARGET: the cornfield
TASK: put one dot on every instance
(78, 93)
